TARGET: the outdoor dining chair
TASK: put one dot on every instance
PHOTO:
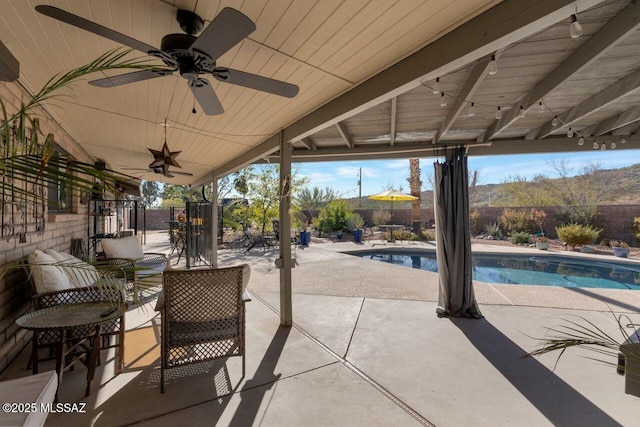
(203, 316)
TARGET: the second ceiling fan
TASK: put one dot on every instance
(191, 56)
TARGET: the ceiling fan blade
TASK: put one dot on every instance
(92, 27)
(182, 173)
(206, 97)
(226, 30)
(254, 81)
(123, 79)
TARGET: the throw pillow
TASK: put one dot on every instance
(126, 247)
(46, 277)
(79, 272)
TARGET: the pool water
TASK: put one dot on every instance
(568, 272)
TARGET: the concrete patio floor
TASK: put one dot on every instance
(367, 349)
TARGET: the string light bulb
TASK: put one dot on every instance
(581, 141)
(595, 145)
(613, 145)
(575, 29)
(623, 140)
(540, 107)
(554, 122)
(499, 113)
(570, 133)
(523, 113)
(603, 146)
(436, 86)
(443, 100)
(472, 109)
(493, 65)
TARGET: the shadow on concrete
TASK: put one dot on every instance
(560, 403)
(605, 299)
(255, 389)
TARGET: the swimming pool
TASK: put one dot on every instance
(547, 270)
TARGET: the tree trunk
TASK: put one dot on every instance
(415, 184)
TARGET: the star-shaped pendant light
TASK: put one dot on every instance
(164, 158)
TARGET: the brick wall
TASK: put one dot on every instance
(615, 220)
(15, 291)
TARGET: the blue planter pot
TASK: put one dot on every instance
(305, 238)
(357, 236)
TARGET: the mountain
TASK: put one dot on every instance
(619, 187)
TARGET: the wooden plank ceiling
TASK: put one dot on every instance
(334, 51)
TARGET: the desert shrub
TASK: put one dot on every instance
(514, 220)
(636, 227)
(493, 230)
(577, 234)
(355, 222)
(427, 236)
(520, 237)
(334, 217)
(474, 221)
(381, 216)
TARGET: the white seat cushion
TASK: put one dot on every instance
(47, 278)
(40, 388)
(126, 247)
(79, 272)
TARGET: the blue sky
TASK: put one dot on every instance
(379, 174)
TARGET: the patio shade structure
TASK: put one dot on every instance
(393, 196)
(453, 240)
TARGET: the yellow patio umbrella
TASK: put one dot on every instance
(393, 196)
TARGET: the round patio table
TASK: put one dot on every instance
(65, 318)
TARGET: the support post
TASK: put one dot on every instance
(284, 262)
(214, 227)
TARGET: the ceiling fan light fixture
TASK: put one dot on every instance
(493, 65)
(575, 29)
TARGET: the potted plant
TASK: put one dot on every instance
(305, 234)
(356, 222)
(620, 248)
(542, 243)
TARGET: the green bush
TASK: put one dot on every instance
(334, 217)
(577, 234)
(636, 227)
(520, 237)
(427, 236)
(493, 229)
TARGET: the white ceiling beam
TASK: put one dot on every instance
(622, 87)
(345, 135)
(471, 85)
(623, 24)
(256, 153)
(307, 142)
(554, 144)
(627, 130)
(623, 119)
(504, 24)
(394, 116)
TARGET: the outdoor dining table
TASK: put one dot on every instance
(69, 317)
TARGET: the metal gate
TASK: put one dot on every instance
(198, 239)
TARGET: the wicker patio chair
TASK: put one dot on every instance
(203, 316)
(109, 290)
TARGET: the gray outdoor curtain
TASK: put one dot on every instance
(453, 241)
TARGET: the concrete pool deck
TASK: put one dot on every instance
(367, 349)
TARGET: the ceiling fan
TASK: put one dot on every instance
(191, 56)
